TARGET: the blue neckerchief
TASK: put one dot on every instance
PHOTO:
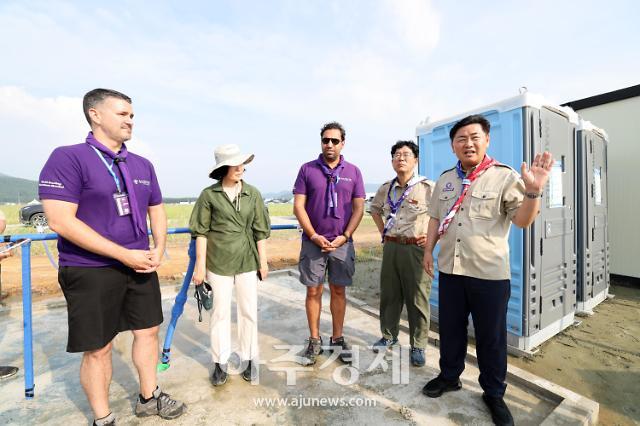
(395, 205)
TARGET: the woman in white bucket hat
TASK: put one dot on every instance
(231, 225)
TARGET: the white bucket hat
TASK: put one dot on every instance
(230, 155)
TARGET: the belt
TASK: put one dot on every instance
(402, 240)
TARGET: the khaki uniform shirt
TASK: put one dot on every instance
(411, 218)
(476, 242)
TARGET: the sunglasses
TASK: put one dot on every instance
(334, 141)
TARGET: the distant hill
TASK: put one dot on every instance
(17, 190)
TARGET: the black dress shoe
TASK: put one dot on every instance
(439, 385)
(219, 375)
(500, 413)
(250, 373)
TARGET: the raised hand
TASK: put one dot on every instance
(536, 177)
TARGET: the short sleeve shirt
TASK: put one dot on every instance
(476, 242)
(77, 175)
(313, 183)
(411, 218)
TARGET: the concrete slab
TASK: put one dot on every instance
(380, 390)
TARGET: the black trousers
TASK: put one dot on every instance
(486, 301)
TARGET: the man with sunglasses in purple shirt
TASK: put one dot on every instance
(96, 196)
(328, 203)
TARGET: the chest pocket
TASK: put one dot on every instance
(484, 204)
(416, 207)
(447, 199)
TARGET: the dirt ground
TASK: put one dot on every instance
(600, 358)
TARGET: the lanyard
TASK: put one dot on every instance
(109, 168)
(395, 205)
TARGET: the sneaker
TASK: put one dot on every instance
(500, 413)
(417, 357)
(383, 344)
(7, 371)
(219, 375)
(439, 385)
(345, 354)
(314, 348)
(250, 373)
(161, 404)
(109, 420)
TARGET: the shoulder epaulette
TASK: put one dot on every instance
(448, 170)
(505, 165)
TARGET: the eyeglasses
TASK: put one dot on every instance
(334, 141)
(404, 155)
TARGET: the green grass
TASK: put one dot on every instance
(280, 209)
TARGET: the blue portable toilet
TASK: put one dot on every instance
(542, 257)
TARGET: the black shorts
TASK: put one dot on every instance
(103, 301)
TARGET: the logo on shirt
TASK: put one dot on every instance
(50, 184)
(448, 187)
(142, 182)
(346, 179)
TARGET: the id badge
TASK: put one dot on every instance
(122, 203)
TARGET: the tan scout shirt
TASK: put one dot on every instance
(411, 218)
(476, 242)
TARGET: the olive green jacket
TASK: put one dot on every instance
(231, 234)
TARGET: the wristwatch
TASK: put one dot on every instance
(533, 195)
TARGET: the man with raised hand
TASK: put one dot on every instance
(472, 208)
(328, 203)
(97, 196)
(403, 202)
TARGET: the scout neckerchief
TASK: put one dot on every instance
(395, 205)
(139, 222)
(333, 177)
(486, 163)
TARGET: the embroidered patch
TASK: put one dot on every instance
(448, 187)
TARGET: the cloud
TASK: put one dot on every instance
(33, 126)
(417, 23)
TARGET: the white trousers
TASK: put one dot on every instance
(247, 309)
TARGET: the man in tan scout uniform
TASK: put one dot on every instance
(472, 208)
(403, 202)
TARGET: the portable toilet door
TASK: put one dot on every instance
(592, 217)
(550, 244)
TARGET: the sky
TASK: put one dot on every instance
(268, 75)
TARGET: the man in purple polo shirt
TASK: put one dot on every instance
(329, 203)
(96, 196)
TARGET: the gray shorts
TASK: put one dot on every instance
(313, 265)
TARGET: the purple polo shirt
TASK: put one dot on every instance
(77, 175)
(313, 183)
